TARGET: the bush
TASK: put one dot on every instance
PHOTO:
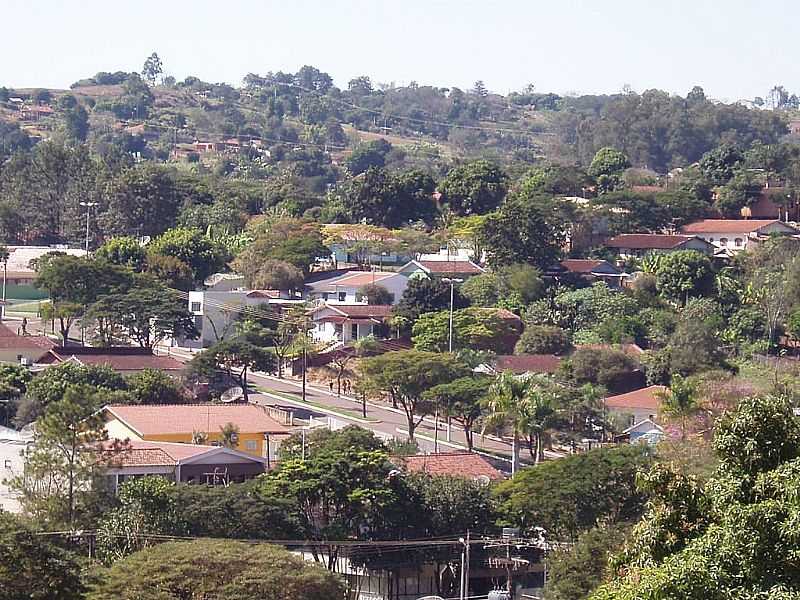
(543, 339)
(610, 368)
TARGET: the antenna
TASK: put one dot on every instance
(231, 395)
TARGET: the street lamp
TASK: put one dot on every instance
(88, 206)
(452, 282)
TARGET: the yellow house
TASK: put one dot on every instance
(259, 433)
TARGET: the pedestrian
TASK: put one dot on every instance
(330, 385)
(347, 388)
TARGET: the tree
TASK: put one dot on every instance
(229, 435)
(154, 386)
(291, 240)
(147, 313)
(473, 327)
(474, 188)
(506, 408)
(376, 294)
(192, 247)
(171, 271)
(724, 539)
(423, 295)
(462, 399)
(543, 339)
(366, 156)
(521, 233)
(123, 251)
(33, 567)
(214, 568)
(695, 346)
(58, 464)
(339, 483)
(271, 274)
(236, 356)
(684, 274)
(680, 401)
(607, 367)
(405, 375)
(152, 68)
(342, 358)
(607, 168)
(576, 493)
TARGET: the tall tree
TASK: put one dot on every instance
(474, 188)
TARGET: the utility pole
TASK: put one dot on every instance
(452, 281)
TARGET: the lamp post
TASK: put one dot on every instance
(88, 206)
(452, 281)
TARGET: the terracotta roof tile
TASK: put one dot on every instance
(729, 225)
(187, 418)
(456, 464)
(9, 339)
(118, 358)
(644, 398)
(463, 267)
(527, 363)
(646, 241)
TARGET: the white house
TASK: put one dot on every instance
(736, 235)
(215, 312)
(345, 288)
(460, 269)
(348, 322)
(645, 432)
(629, 245)
(12, 444)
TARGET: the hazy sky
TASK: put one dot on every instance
(733, 48)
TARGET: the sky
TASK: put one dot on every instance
(734, 49)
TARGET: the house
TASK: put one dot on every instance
(224, 282)
(12, 444)
(465, 465)
(636, 406)
(346, 288)
(630, 245)
(523, 364)
(19, 271)
(182, 463)
(644, 432)
(734, 235)
(441, 269)
(22, 349)
(335, 323)
(125, 360)
(590, 270)
(216, 312)
(259, 431)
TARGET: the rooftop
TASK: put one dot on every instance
(457, 464)
(141, 453)
(350, 279)
(578, 265)
(443, 267)
(527, 363)
(11, 340)
(730, 225)
(122, 358)
(188, 418)
(646, 241)
(646, 398)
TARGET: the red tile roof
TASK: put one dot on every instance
(579, 265)
(123, 359)
(729, 225)
(646, 241)
(456, 464)
(10, 340)
(632, 350)
(527, 363)
(138, 453)
(187, 418)
(645, 398)
(462, 267)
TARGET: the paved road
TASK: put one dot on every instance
(385, 421)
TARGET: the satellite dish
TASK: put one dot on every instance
(231, 395)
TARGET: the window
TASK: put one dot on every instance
(251, 445)
(738, 242)
(195, 307)
(324, 295)
(342, 296)
(354, 331)
(723, 241)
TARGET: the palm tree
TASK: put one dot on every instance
(538, 410)
(507, 403)
(680, 401)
